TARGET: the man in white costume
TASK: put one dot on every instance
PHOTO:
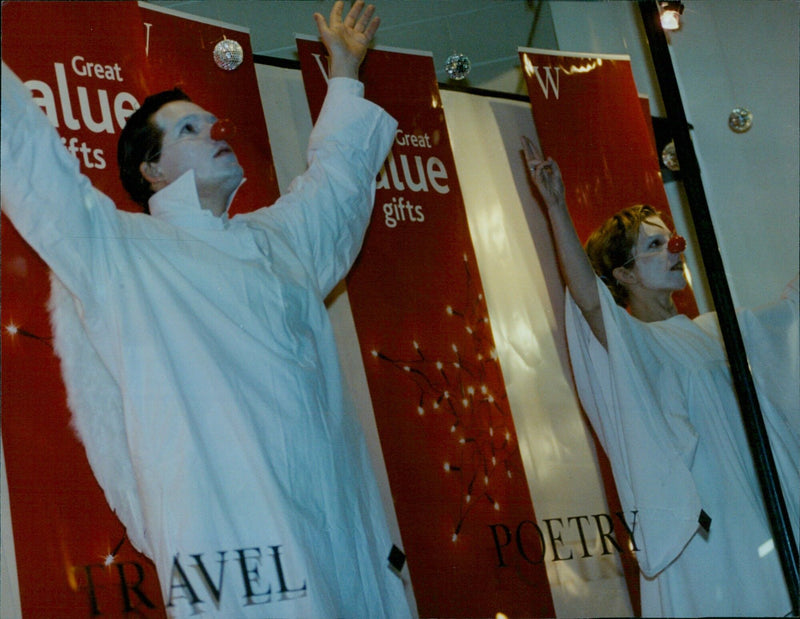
(198, 356)
(658, 391)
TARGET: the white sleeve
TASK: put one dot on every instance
(327, 208)
(772, 341)
(51, 204)
(771, 335)
(650, 472)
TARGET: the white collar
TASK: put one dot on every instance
(179, 204)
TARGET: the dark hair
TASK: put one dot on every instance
(140, 141)
(611, 246)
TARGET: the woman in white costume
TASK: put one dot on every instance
(658, 391)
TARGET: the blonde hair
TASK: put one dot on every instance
(611, 246)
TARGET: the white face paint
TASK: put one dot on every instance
(187, 145)
(655, 267)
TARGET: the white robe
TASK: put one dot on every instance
(662, 402)
(202, 371)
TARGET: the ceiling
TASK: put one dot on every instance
(488, 32)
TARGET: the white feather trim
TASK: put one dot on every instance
(94, 398)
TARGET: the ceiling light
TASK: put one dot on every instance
(671, 15)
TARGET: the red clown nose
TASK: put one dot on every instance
(676, 244)
(223, 129)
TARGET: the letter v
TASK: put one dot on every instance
(215, 591)
(322, 68)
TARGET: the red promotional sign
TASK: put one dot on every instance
(174, 45)
(589, 118)
(446, 431)
(89, 65)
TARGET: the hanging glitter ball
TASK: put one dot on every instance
(457, 66)
(740, 119)
(228, 54)
(670, 158)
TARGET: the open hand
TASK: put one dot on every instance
(347, 39)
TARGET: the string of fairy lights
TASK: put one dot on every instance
(12, 330)
(455, 387)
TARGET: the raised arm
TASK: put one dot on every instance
(51, 204)
(575, 266)
(327, 208)
(347, 39)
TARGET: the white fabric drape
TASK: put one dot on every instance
(662, 402)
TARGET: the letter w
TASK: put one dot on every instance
(548, 81)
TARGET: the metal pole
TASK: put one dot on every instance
(742, 378)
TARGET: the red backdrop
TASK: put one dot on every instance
(448, 439)
(591, 120)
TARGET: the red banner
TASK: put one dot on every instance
(448, 439)
(89, 64)
(590, 119)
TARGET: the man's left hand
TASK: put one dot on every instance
(347, 39)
